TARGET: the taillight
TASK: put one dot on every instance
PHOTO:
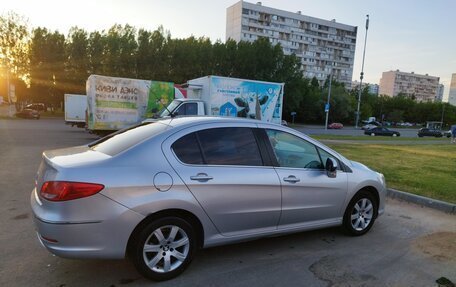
(68, 190)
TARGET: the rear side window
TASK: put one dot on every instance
(219, 146)
(122, 140)
(230, 146)
(187, 149)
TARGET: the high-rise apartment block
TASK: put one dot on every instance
(452, 94)
(439, 95)
(322, 46)
(373, 88)
(422, 88)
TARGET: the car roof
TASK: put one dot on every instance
(190, 120)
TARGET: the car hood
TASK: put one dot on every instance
(73, 156)
(358, 165)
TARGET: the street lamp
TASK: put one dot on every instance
(327, 101)
(362, 73)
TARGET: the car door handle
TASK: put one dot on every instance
(201, 177)
(291, 178)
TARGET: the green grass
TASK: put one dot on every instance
(376, 138)
(427, 170)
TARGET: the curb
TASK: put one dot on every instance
(423, 201)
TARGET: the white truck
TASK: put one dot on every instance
(75, 110)
(116, 103)
(222, 96)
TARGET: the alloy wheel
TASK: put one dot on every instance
(362, 214)
(166, 248)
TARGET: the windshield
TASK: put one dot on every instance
(165, 112)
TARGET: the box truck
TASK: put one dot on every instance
(116, 103)
(222, 96)
(75, 110)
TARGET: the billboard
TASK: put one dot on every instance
(246, 99)
(116, 103)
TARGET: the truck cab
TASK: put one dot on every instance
(181, 107)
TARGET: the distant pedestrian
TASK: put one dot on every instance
(453, 134)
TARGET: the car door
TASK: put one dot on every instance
(308, 194)
(224, 169)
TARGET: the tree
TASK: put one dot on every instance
(14, 48)
(76, 61)
(47, 60)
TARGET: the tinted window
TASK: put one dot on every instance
(124, 139)
(230, 146)
(292, 151)
(187, 149)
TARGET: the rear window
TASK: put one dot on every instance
(122, 140)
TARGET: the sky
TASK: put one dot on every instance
(410, 35)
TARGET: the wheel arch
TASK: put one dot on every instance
(192, 219)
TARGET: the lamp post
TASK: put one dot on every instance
(327, 101)
(362, 73)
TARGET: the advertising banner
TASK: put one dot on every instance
(246, 99)
(116, 103)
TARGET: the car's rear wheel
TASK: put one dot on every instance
(372, 134)
(360, 213)
(394, 135)
(164, 248)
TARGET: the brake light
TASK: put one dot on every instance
(68, 190)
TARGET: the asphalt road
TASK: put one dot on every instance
(349, 131)
(408, 246)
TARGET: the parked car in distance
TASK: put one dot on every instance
(335, 126)
(37, 107)
(447, 133)
(425, 132)
(28, 114)
(371, 125)
(381, 131)
(159, 191)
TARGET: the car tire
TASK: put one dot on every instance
(394, 135)
(360, 214)
(170, 244)
(372, 135)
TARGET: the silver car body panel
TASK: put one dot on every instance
(240, 202)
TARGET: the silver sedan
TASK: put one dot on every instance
(159, 191)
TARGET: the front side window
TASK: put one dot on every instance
(230, 146)
(292, 151)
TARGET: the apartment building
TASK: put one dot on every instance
(452, 94)
(422, 88)
(373, 88)
(322, 46)
(439, 95)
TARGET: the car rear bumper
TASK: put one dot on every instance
(105, 238)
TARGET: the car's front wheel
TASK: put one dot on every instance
(164, 248)
(372, 134)
(360, 213)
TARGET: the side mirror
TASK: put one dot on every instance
(331, 167)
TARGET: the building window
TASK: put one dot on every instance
(245, 11)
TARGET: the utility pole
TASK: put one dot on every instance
(443, 113)
(362, 73)
(327, 101)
